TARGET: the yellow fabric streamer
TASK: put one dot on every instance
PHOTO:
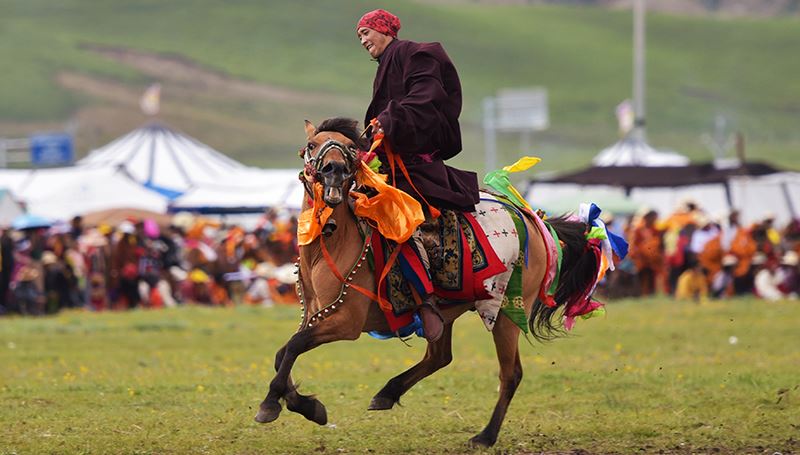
(395, 213)
(523, 164)
(500, 182)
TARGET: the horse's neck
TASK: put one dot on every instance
(343, 247)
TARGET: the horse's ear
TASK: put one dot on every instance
(310, 128)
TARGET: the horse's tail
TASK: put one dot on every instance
(579, 268)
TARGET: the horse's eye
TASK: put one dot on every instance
(310, 146)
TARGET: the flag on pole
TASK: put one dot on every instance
(151, 99)
(625, 117)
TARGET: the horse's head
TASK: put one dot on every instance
(330, 156)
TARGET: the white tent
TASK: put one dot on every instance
(275, 187)
(165, 160)
(755, 196)
(9, 208)
(632, 151)
(192, 174)
(99, 192)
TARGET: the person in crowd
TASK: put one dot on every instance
(692, 284)
(789, 275)
(125, 268)
(6, 269)
(647, 253)
(742, 246)
(28, 296)
(676, 248)
(711, 256)
(76, 228)
(766, 281)
(722, 280)
(258, 292)
(59, 284)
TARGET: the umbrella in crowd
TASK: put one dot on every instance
(29, 221)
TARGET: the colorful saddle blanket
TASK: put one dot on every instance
(472, 257)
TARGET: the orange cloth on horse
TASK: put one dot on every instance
(417, 100)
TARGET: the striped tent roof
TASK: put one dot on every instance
(165, 160)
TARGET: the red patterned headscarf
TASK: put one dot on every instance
(381, 21)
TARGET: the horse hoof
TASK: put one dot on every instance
(379, 403)
(307, 406)
(268, 412)
(481, 441)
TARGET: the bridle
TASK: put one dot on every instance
(314, 164)
(313, 171)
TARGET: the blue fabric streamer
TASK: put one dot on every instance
(618, 243)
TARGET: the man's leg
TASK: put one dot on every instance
(432, 321)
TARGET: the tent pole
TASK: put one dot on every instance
(639, 70)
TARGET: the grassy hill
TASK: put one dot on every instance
(241, 75)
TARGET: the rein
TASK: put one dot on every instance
(345, 279)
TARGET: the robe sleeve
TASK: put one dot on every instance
(412, 122)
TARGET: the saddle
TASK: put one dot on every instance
(460, 259)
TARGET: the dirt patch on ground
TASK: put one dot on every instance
(189, 74)
(250, 121)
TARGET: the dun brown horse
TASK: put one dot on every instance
(334, 311)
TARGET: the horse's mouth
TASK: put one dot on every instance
(332, 196)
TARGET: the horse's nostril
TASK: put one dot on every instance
(328, 168)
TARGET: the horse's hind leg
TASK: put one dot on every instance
(506, 338)
(437, 356)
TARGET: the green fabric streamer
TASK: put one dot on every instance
(500, 182)
(513, 305)
(597, 312)
(554, 285)
(596, 233)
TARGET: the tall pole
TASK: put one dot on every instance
(490, 133)
(638, 69)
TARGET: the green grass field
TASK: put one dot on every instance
(697, 68)
(652, 376)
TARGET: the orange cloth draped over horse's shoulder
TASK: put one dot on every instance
(394, 212)
(311, 220)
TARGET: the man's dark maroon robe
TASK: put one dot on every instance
(417, 99)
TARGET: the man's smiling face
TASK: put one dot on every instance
(374, 42)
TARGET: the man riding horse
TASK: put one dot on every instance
(416, 101)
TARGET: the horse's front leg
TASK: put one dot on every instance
(299, 343)
(342, 325)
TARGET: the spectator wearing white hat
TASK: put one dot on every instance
(765, 284)
(788, 275)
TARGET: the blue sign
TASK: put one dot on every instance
(51, 149)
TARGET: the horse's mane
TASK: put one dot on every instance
(346, 127)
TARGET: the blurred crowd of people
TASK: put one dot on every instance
(139, 263)
(694, 256)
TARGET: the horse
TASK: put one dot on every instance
(334, 311)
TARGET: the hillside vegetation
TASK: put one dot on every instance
(242, 75)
